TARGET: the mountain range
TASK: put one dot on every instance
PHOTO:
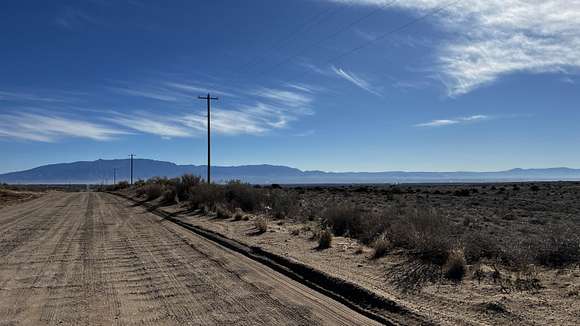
(102, 171)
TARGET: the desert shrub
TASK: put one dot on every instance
(381, 247)
(558, 246)
(153, 191)
(426, 233)
(120, 185)
(343, 219)
(462, 193)
(222, 212)
(455, 266)
(244, 196)
(169, 195)
(140, 191)
(324, 239)
(184, 186)
(479, 245)
(283, 203)
(206, 195)
(238, 214)
(349, 220)
(261, 224)
(160, 181)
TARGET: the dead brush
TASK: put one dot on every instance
(261, 224)
(153, 191)
(381, 247)
(238, 214)
(295, 232)
(455, 267)
(324, 239)
(222, 212)
(426, 233)
(169, 196)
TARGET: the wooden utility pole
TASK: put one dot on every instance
(208, 98)
(114, 176)
(132, 155)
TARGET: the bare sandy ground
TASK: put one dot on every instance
(443, 303)
(12, 197)
(93, 258)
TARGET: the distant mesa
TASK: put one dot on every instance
(101, 172)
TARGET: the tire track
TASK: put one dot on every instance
(98, 260)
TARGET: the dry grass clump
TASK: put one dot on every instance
(324, 239)
(558, 246)
(344, 220)
(283, 203)
(426, 233)
(184, 186)
(238, 214)
(351, 221)
(479, 245)
(261, 224)
(206, 195)
(455, 267)
(244, 196)
(169, 196)
(153, 191)
(295, 232)
(381, 247)
(222, 212)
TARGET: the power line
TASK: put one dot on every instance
(326, 38)
(382, 36)
(311, 23)
(393, 31)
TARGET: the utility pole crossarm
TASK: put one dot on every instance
(208, 98)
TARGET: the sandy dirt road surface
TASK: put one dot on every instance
(94, 258)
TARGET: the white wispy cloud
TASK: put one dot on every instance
(357, 80)
(284, 97)
(166, 127)
(454, 121)
(493, 38)
(272, 109)
(198, 89)
(30, 97)
(167, 91)
(48, 128)
(303, 87)
(154, 93)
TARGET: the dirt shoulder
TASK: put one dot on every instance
(477, 300)
(13, 197)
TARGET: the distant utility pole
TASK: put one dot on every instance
(208, 98)
(132, 155)
(114, 176)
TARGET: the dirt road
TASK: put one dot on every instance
(93, 258)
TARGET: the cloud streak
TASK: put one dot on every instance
(494, 38)
(455, 121)
(273, 109)
(48, 128)
(356, 80)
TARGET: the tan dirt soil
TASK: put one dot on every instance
(470, 303)
(94, 258)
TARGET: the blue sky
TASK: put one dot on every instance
(339, 85)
